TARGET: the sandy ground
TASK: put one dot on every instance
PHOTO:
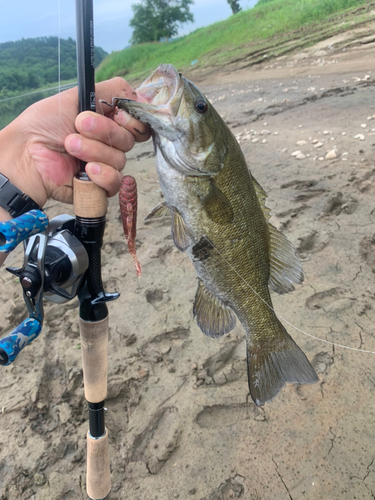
(180, 422)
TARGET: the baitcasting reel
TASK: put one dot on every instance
(54, 265)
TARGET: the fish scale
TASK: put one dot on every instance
(220, 219)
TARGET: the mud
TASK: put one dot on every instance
(180, 421)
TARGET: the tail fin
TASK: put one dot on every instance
(270, 367)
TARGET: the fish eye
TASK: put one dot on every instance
(201, 105)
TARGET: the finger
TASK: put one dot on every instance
(101, 128)
(140, 131)
(105, 176)
(118, 87)
(115, 87)
(94, 151)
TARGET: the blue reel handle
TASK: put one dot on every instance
(12, 344)
(14, 231)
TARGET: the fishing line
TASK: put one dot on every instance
(66, 86)
(279, 315)
(59, 65)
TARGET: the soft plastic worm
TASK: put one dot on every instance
(128, 209)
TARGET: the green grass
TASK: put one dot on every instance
(222, 41)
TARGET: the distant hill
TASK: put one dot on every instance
(270, 29)
(31, 63)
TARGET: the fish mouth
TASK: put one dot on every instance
(165, 99)
(163, 87)
(162, 95)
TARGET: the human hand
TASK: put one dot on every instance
(41, 148)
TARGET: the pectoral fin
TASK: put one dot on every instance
(161, 210)
(285, 266)
(216, 205)
(180, 232)
(214, 318)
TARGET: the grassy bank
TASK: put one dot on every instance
(228, 39)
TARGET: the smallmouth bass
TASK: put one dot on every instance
(220, 219)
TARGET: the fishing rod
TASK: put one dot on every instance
(62, 259)
(90, 208)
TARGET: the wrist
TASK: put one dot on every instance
(14, 200)
(16, 165)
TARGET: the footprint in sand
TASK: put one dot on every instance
(155, 445)
(322, 300)
(216, 416)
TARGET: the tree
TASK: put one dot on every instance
(157, 19)
(234, 5)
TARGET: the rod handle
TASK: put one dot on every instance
(12, 232)
(94, 348)
(98, 479)
(90, 200)
(20, 337)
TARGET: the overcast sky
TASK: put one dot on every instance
(25, 18)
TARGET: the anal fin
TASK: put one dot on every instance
(214, 318)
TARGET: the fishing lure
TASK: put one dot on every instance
(128, 210)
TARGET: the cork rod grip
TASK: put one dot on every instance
(98, 479)
(90, 200)
(94, 347)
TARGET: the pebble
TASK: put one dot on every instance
(361, 137)
(301, 156)
(344, 133)
(318, 145)
(331, 154)
(256, 139)
(264, 141)
(296, 153)
(265, 132)
(364, 125)
(301, 143)
(325, 132)
(39, 479)
(315, 141)
(284, 150)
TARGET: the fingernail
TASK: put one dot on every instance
(75, 144)
(88, 123)
(93, 168)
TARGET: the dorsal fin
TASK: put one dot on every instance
(214, 318)
(262, 196)
(285, 266)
